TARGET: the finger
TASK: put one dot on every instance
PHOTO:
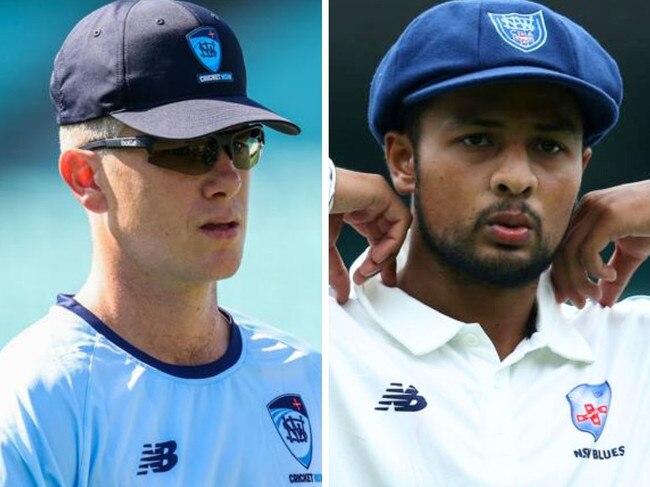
(385, 250)
(565, 290)
(390, 244)
(389, 274)
(570, 279)
(372, 227)
(384, 246)
(385, 232)
(388, 271)
(366, 270)
(592, 228)
(625, 266)
(579, 302)
(579, 258)
(338, 276)
(335, 226)
(593, 244)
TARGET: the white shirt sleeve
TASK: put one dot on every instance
(332, 183)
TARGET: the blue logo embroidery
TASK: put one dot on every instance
(205, 45)
(291, 421)
(159, 457)
(401, 399)
(526, 32)
(590, 407)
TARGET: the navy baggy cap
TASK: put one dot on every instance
(167, 68)
(468, 43)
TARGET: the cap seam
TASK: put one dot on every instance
(121, 70)
(193, 14)
(398, 56)
(478, 38)
(58, 96)
(574, 56)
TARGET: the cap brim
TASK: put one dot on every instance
(600, 111)
(188, 119)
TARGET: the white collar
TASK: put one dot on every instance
(421, 329)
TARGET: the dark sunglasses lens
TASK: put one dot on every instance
(193, 159)
(199, 157)
(247, 148)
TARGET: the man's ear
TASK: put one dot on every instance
(400, 156)
(586, 157)
(77, 168)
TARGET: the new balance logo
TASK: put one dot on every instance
(401, 399)
(159, 457)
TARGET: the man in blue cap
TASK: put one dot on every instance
(142, 378)
(469, 372)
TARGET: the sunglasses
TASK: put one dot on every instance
(194, 157)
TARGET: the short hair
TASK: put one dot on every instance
(410, 120)
(72, 136)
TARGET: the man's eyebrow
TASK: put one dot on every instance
(559, 124)
(459, 121)
(556, 124)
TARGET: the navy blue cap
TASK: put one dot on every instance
(468, 43)
(167, 68)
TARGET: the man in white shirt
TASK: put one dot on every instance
(469, 372)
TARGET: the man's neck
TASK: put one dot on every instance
(503, 313)
(179, 325)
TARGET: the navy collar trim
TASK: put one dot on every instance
(211, 369)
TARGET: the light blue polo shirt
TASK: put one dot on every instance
(79, 406)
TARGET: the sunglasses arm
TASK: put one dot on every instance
(141, 142)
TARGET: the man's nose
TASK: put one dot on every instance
(224, 179)
(514, 175)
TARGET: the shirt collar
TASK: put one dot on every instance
(421, 329)
(555, 328)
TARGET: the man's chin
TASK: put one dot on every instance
(225, 273)
(506, 274)
(506, 268)
(216, 270)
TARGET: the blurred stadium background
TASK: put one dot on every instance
(44, 241)
(357, 47)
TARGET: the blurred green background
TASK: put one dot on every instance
(44, 239)
(361, 31)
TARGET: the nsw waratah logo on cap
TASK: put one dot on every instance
(526, 32)
(205, 44)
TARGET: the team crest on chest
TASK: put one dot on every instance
(526, 32)
(289, 415)
(590, 407)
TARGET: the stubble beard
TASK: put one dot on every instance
(457, 251)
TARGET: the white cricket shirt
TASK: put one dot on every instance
(420, 399)
(80, 407)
